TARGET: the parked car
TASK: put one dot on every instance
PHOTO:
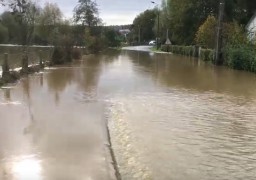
(153, 42)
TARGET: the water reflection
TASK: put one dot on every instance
(7, 95)
(89, 76)
(41, 79)
(181, 72)
(26, 89)
(58, 79)
(27, 167)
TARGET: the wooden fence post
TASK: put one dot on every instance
(41, 59)
(5, 66)
(199, 52)
(25, 62)
(196, 51)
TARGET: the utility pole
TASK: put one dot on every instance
(157, 34)
(157, 38)
(139, 35)
(218, 57)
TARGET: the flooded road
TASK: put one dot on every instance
(170, 117)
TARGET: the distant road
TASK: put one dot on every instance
(138, 48)
(144, 49)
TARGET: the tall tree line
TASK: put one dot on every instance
(26, 22)
(143, 27)
(184, 17)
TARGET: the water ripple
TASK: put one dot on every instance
(204, 135)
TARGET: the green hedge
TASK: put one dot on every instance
(242, 57)
(183, 50)
(207, 55)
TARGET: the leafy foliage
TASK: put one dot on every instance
(28, 21)
(234, 34)
(94, 40)
(49, 20)
(206, 33)
(9, 21)
(3, 34)
(207, 55)
(143, 26)
(112, 37)
(241, 57)
(183, 50)
(86, 13)
(184, 17)
(25, 13)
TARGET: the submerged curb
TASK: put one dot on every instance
(112, 154)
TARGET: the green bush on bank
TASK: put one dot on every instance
(164, 48)
(58, 56)
(207, 55)
(242, 57)
(183, 50)
(77, 53)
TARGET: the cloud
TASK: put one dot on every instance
(112, 19)
(113, 12)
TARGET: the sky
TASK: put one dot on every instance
(113, 12)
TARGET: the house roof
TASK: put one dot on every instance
(251, 20)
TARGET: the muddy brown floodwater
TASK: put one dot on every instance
(170, 118)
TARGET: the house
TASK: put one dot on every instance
(251, 28)
(124, 31)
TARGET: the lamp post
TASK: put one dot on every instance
(157, 38)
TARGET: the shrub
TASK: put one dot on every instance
(234, 34)
(189, 50)
(4, 34)
(166, 48)
(94, 42)
(241, 57)
(183, 50)
(206, 33)
(58, 56)
(62, 52)
(207, 55)
(112, 37)
(76, 53)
